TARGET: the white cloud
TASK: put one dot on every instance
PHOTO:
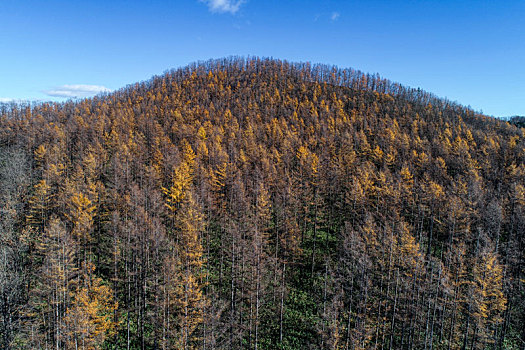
(335, 16)
(6, 99)
(76, 91)
(222, 6)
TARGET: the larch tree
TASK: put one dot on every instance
(49, 296)
(89, 317)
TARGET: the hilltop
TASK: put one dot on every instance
(257, 203)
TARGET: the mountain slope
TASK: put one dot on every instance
(262, 204)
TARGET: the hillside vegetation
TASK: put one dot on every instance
(260, 204)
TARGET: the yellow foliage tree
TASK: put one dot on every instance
(184, 272)
(39, 204)
(89, 319)
(185, 300)
(81, 212)
(181, 179)
(49, 295)
(488, 299)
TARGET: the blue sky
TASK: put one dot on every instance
(472, 52)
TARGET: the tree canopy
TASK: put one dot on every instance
(261, 204)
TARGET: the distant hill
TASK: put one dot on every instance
(261, 204)
(517, 120)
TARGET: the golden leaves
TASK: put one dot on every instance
(89, 319)
(488, 298)
(181, 180)
(307, 160)
(40, 154)
(81, 212)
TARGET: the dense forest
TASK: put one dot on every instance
(260, 204)
(517, 120)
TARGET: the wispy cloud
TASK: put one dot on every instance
(335, 16)
(76, 91)
(223, 6)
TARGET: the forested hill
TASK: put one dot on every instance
(517, 120)
(259, 204)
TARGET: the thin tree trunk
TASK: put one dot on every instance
(394, 313)
(281, 312)
(349, 314)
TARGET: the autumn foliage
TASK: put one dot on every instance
(261, 204)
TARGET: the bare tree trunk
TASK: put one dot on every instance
(394, 313)
(258, 285)
(232, 299)
(281, 311)
(467, 326)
